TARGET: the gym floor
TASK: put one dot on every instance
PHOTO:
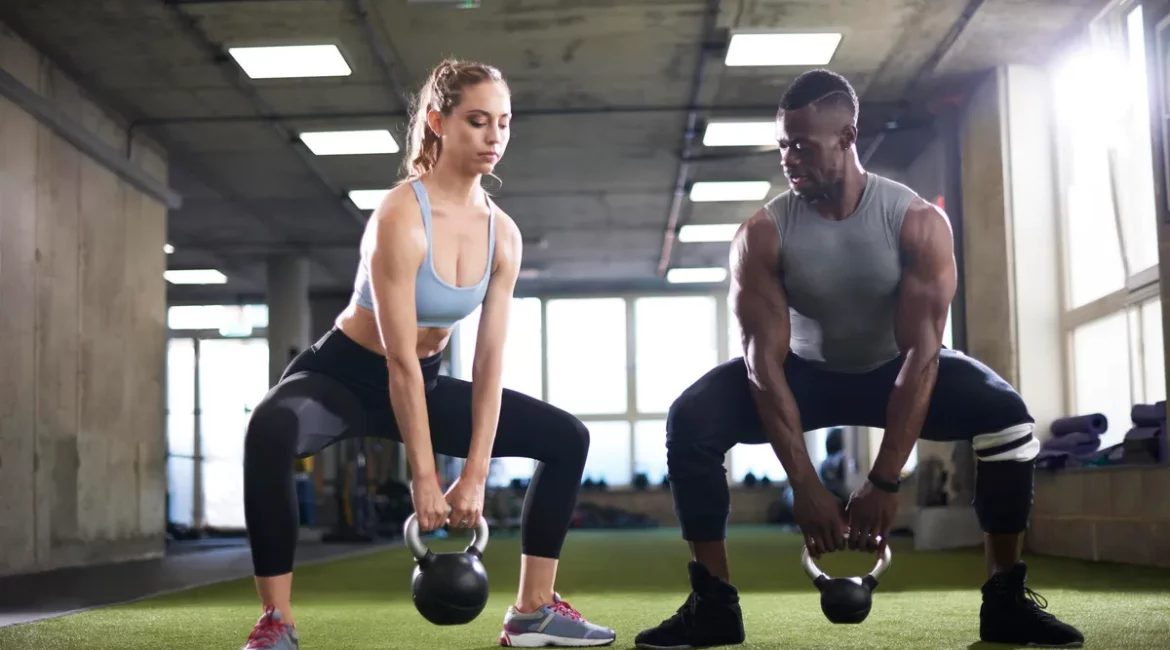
(629, 580)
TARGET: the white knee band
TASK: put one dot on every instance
(1015, 443)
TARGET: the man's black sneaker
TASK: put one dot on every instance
(710, 617)
(1014, 614)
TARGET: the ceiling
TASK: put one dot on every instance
(601, 91)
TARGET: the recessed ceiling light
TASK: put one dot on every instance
(367, 199)
(756, 48)
(291, 61)
(740, 134)
(168, 249)
(195, 276)
(707, 232)
(696, 275)
(349, 143)
(708, 191)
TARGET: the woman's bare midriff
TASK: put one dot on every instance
(360, 325)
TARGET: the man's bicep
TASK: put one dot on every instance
(758, 296)
(930, 278)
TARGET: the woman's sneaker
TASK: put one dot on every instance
(557, 624)
(271, 633)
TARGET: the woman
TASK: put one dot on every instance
(434, 250)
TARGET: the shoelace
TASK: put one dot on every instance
(1036, 603)
(266, 633)
(561, 607)
(685, 613)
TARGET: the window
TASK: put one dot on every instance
(609, 453)
(734, 334)
(1111, 246)
(522, 354)
(1151, 352)
(587, 356)
(676, 344)
(233, 378)
(228, 320)
(759, 460)
(181, 491)
(650, 449)
(181, 397)
(503, 470)
(1101, 373)
(1106, 161)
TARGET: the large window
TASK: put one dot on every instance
(213, 384)
(1112, 319)
(650, 449)
(233, 378)
(523, 371)
(587, 355)
(609, 452)
(676, 344)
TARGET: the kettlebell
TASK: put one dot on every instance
(448, 588)
(846, 600)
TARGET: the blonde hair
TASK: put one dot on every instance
(442, 92)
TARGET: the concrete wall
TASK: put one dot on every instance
(82, 317)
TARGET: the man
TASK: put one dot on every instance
(841, 286)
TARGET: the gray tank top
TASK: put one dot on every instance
(842, 277)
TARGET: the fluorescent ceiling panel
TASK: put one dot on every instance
(195, 276)
(707, 232)
(367, 199)
(740, 134)
(291, 61)
(350, 143)
(710, 191)
(696, 275)
(769, 49)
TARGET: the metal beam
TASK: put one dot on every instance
(710, 24)
(235, 77)
(383, 49)
(47, 113)
(928, 67)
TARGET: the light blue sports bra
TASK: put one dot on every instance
(438, 303)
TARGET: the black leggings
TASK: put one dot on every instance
(337, 389)
(969, 402)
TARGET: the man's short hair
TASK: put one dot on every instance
(822, 89)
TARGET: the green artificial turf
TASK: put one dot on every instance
(631, 580)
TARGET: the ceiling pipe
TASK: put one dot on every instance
(710, 24)
(927, 67)
(235, 77)
(519, 113)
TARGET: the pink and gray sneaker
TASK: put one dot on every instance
(557, 624)
(271, 633)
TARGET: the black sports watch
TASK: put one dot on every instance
(885, 486)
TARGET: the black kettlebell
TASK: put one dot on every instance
(448, 588)
(846, 600)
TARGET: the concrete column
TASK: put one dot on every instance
(289, 317)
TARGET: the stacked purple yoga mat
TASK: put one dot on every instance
(1076, 441)
(1145, 443)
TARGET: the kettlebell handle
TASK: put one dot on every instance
(815, 574)
(410, 534)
